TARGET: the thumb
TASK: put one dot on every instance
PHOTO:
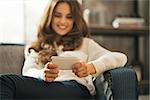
(51, 66)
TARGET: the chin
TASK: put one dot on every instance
(62, 34)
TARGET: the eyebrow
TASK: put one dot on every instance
(61, 13)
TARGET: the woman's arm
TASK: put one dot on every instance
(31, 68)
(103, 59)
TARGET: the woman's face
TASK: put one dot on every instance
(62, 21)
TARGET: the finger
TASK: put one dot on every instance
(49, 79)
(51, 75)
(52, 71)
(76, 65)
(51, 66)
(81, 74)
(82, 67)
(54, 65)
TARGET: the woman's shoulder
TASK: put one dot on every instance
(87, 40)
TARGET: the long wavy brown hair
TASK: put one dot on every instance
(46, 35)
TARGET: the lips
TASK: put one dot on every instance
(62, 27)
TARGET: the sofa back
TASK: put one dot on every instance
(11, 58)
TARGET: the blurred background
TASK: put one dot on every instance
(123, 25)
(118, 25)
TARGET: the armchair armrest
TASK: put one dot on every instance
(119, 84)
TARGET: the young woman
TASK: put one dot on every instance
(61, 32)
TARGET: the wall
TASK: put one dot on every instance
(19, 20)
(11, 21)
(109, 9)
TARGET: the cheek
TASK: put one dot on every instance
(53, 23)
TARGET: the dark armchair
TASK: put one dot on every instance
(121, 83)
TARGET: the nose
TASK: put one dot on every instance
(63, 20)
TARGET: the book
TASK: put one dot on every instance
(128, 22)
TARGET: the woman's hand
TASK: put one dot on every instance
(83, 69)
(50, 72)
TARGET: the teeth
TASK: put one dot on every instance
(62, 27)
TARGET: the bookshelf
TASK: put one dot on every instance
(135, 33)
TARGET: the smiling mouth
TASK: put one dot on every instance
(62, 27)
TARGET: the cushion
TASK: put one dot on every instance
(11, 58)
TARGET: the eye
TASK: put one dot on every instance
(69, 16)
(57, 15)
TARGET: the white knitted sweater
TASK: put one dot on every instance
(90, 51)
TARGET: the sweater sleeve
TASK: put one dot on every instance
(31, 68)
(103, 59)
